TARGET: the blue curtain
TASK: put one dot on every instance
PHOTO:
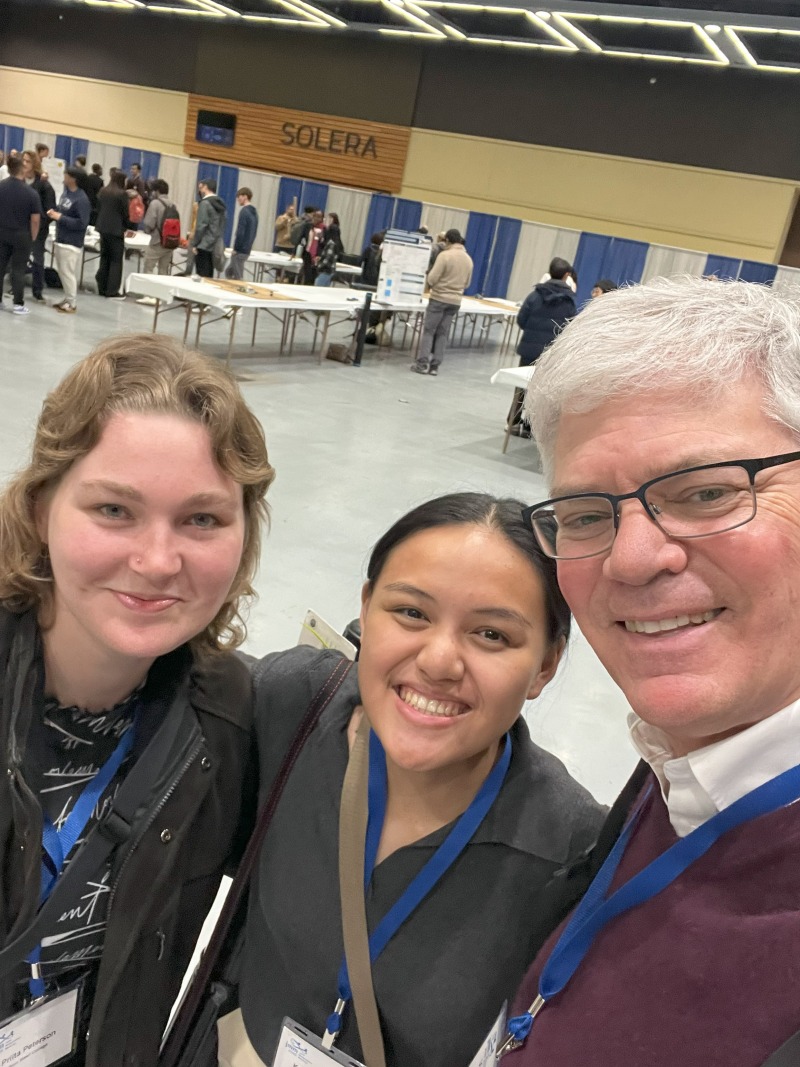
(227, 187)
(129, 157)
(63, 148)
(723, 266)
(151, 161)
(315, 193)
(15, 138)
(589, 259)
(289, 189)
(505, 249)
(479, 241)
(407, 215)
(379, 216)
(624, 262)
(764, 273)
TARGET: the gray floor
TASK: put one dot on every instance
(353, 448)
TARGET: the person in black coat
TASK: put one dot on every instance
(544, 312)
(112, 225)
(92, 186)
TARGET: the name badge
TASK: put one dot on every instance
(298, 1047)
(43, 1034)
(487, 1053)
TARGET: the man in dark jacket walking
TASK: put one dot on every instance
(544, 312)
(209, 230)
(246, 230)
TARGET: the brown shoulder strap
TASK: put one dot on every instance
(353, 815)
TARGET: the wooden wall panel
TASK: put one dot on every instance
(370, 155)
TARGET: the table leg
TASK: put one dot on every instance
(199, 324)
(234, 316)
(327, 315)
(155, 314)
(255, 323)
(188, 309)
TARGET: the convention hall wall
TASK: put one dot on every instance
(675, 155)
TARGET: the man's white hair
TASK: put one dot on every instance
(688, 336)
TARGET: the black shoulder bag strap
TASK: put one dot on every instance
(205, 997)
(113, 830)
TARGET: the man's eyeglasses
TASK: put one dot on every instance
(696, 502)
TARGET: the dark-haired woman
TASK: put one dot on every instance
(112, 225)
(462, 622)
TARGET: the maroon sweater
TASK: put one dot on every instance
(706, 974)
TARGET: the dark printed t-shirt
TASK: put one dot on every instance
(17, 203)
(66, 750)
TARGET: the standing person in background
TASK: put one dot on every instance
(3, 167)
(112, 225)
(157, 258)
(246, 230)
(210, 228)
(42, 151)
(92, 187)
(439, 245)
(331, 250)
(371, 261)
(603, 286)
(37, 179)
(545, 311)
(72, 218)
(20, 216)
(283, 230)
(310, 244)
(80, 166)
(136, 181)
(447, 279)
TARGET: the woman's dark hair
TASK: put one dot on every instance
(481, 509)
(334, 217)
(117, 179)
(559, 268)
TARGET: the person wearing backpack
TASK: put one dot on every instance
(246, 230)
(163, 222)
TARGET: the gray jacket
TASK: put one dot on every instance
(210, 226)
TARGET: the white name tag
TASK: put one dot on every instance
(298, 1047)
(487, 1053)
(41, 1035)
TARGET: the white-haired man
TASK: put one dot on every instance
(668, 419)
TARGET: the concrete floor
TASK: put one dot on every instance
(354, 448)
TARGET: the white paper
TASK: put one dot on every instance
(487, 1053)
(41, 1035)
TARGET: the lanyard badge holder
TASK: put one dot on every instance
(597, 909)
(44, 1032)
(424, 882)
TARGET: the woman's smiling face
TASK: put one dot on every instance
(454, 640)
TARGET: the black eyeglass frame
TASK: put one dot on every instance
(752, 467)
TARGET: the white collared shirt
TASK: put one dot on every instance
(697, 786)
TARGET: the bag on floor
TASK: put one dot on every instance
(171, 228)
(51, 278)
(339, 353)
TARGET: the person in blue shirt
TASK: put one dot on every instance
(72, 218)
(245, 234)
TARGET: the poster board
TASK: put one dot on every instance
(404, 265)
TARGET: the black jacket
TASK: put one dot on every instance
(47, 196)
(165, 875)
(112, 211)
(544, 312)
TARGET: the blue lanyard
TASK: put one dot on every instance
(436, 867)
(57, 844)
(597, 909)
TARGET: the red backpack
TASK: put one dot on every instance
(136, 209)
(171, 227)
